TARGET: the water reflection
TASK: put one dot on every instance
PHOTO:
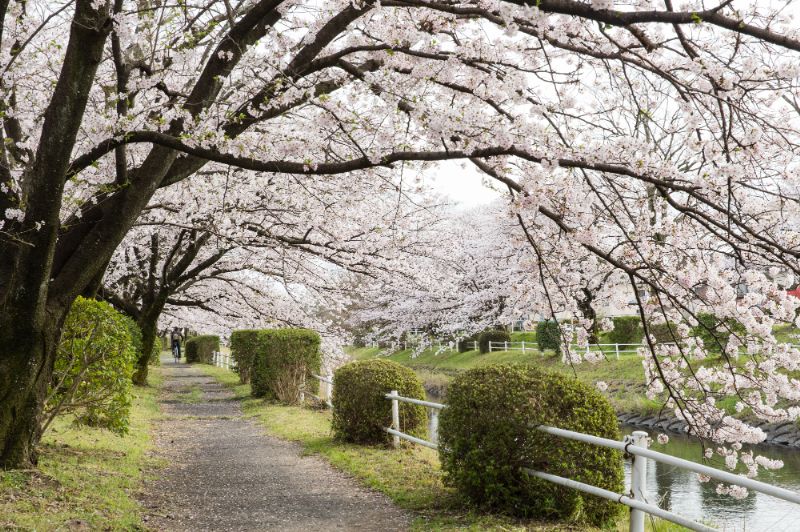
(680, 491)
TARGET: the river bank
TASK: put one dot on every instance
(624, 380)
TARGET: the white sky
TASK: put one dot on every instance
(463, 184)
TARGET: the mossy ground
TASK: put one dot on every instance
(410, 476)
(86, 478)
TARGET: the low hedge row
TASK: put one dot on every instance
(201, 349)
(243, 351)
(283, 360)
(487, 434)
(488, 437)
(492, 335)
(360, 408)
(548, 336)
(627, 330)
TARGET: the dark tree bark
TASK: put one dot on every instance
(31, 321)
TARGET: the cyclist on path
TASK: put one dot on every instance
(176, 338)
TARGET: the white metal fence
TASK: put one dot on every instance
(608, 350)
(222, 360)
(634, 447)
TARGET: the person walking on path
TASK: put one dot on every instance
(176, 338)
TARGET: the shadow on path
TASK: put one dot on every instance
(224, 473)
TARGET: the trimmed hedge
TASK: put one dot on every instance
(243, 351)
(627, 330)
(201, 349)
(486, 439)
(548, 336)
(360, 408)
(282, 363)
(492, 335)
(465, 344)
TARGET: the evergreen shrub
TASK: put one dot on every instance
(283, 362)
(487, 438)
(627, 330)
(466, 344)
(548, 336)
(492, 335)
(201, 349)
(92, 376)
(243, 351)
(716, 332)
(663, 332)
(360, 408)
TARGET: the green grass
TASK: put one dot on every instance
(625, 377)
(410, 476)
(85, 476)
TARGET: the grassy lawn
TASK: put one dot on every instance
(625, 377)
(86, 478)
(409, 476)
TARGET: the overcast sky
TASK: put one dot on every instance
(462, 183)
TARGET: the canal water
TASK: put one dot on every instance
(681, 492)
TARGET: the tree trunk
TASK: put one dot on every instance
(27, 355)
(148, 323)
(587, 309)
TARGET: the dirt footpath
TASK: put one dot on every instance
(224, 473)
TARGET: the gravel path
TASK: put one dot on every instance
(226, 474)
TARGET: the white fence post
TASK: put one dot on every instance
(490, 346)
(523, 347)
(433, 426)
(505, 346)
(638, 480)
(303, 391)
(395, 418)
(616, 348)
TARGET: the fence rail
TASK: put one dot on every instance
(607, 349)
(325, 391)
(634, 446)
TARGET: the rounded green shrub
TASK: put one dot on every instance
(548, 336)
(92, 376)
(627, 330)
(243, 351)
(283, 362)
(360, 408)
(487, 438)
(201, 349)
(492, 335)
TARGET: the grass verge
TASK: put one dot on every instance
(86, 478)
(409, 476)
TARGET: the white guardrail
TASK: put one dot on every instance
(222, 360)
(634, 447)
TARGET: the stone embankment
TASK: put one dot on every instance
(785, 434)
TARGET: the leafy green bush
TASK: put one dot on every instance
(243, 351)
(716, 332)
(93, 368)
(663, 332)
(627, 330)
(466, 344)
(492, 335)
(201, 349)
(548, 336)
(283, 362)
(486, 439)
(360, 408)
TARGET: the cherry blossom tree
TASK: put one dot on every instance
(106, 103)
